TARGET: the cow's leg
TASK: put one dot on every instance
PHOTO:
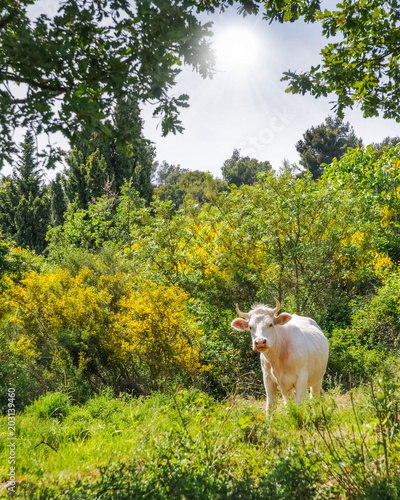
(287, 386)
(301, 386)
(286, 395)
(316, 390)
(270, 383)
(270, 389)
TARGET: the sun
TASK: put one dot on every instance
(236, 48)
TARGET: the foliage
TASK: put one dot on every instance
(87, 177)
(323, 143)
(153, 331)
(97, 166)
(276, 237)
(24, 200)
(371, 340)
(243, 170)
(78, 333)
(181, 186)
(387, 143)
(88, 55)
(84, 228)
(293, 222)
(351, 361)
(360, 65)
(196, 187)
(373, 178)
(378, 321)
(58, 200)
(15, 262)
(164, 173)
(107, 222)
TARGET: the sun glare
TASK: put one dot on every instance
(236, 48)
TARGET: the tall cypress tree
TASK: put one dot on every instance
(86, 177)
(24, 201)
(58, 200)
(97, 162)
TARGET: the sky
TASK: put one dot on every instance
(245, 105)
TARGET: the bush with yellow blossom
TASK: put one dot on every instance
(153, 331)
(80, 333)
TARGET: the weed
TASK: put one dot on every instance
(187, 446)
(51, 405)
(363, 456)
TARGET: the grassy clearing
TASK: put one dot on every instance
(189, 446)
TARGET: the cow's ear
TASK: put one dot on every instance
(282, 319)
(240, 324)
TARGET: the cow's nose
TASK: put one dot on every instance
(260, 343)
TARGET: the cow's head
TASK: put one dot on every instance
(261, 322)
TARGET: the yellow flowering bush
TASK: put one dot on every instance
(387, 216)
(382, 264)
(86, 330)
(46, 303)
(153, 329)
(15, 262)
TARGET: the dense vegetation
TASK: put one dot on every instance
(119, 376)
(188, 445)
(124, 297)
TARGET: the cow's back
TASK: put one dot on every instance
(301, 345)
(315, 344)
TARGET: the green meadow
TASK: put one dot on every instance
(187, 445)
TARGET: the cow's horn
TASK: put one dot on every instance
(278, 306)
(242, 315)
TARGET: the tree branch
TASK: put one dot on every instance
(33, 83)
(48, 444)
(5, 20)
(14, 101)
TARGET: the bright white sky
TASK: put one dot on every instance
(245, 105)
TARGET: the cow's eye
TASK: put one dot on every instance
(270, 325)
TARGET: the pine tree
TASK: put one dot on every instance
(58, 200)
(321, 144)
(24, 201)
(94, 163)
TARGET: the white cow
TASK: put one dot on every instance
(293, 351)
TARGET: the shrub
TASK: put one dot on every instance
(80, 333)
(154, 334)
(51, 405)
(378, 321)
(373, 337)
(349, 358)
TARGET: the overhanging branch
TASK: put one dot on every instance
(32, 83)
(5, 20)
(6, 95)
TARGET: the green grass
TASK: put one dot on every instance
(189, 446)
